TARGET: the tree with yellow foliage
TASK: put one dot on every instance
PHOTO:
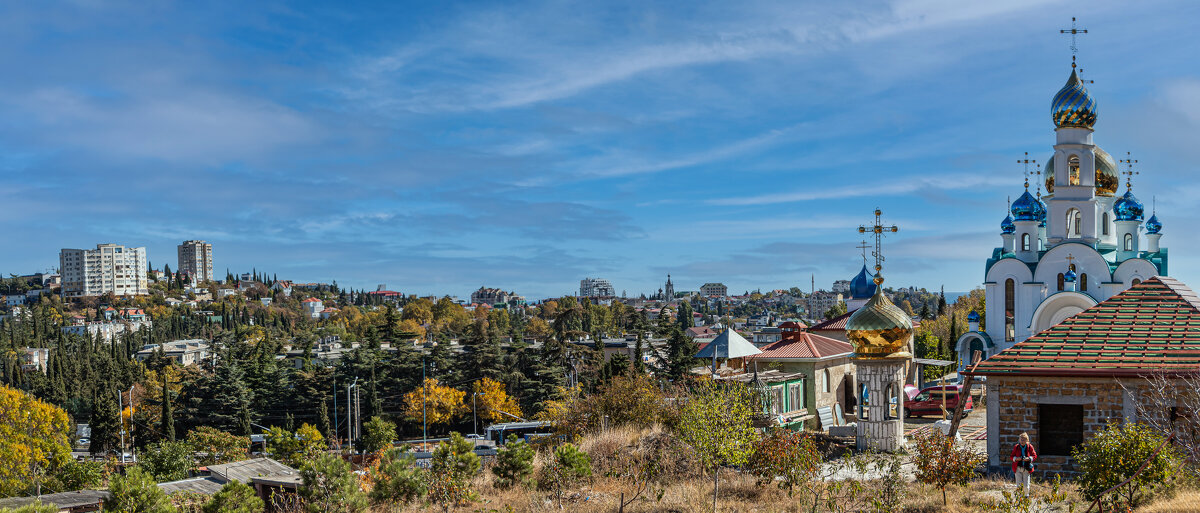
(493, 399)
(441, 404)
(33, 441)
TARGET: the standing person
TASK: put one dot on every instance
(1023, 456)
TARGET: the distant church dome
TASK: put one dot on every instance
(1128, 208)
(1070, 276)
(1107, 176)
(1028, 208)
(973, 316)
(862, 286)
(1007, 225)
(1073, 106)
(1152, 225)
(879, 329)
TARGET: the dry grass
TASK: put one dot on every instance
(1186, 501)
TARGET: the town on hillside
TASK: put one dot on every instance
(1067, 379)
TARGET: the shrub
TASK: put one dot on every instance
(215, 446)
(168, 461)
(717, 422)
(36, 507)
(566, 467)
(397, 478)
(295, 449)
(787, 454)
(453, 465)
(234, 497)
(514, 463)
(379, 435)
(941, 462)
(77, 475)
(328, 485)
(1115, 454)
(137, 492)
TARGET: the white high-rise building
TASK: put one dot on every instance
(108, 268)
(596, 287)
(195, 259)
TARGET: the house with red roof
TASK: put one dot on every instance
(824, 360)
(1064, 384)
(313, 307)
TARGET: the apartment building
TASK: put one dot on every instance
(714, 290)
(108, 268)
(596, 287)
(195, 259)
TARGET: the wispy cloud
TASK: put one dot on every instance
(892, 188)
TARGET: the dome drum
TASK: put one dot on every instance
(1107, 176)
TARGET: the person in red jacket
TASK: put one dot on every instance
(1023, 456)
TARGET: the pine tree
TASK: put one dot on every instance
(680, 357)
(942, 302)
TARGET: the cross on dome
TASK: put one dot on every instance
(1074, 31)
(878, 230)
(1027, 161)
(1129, 172)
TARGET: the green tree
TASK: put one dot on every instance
(685, 315)
(836, 310)
(104, 423)
(790, 457)
(397, 478)
(328, 485)
(168, 461)
(1114, 455)
(717, 421)
(215, 446)
(137, 492)
(168, 418)
(453, 466)
(680, 355)
(77, 475)
(379, 435)
(36, 507)
(294, 449)
(941, 462)
(568, 466)
(514, 463)
(234, 497)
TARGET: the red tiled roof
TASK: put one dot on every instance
(1153, 327)
(701, 331)
(836, 323)
(311, 300)
(802, 344)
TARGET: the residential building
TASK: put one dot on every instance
(108, 268)
(841, 286)
(1065, 384)
(825, 360)
(34, 358)
(714, 290)
(596, 287)
(183, 352)
(488, 296)
(195, 260)
(821, 301)
(107, 331)
(313, 307)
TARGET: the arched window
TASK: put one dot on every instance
(1104, 228)
(1136, 281)
(826, 386)
(1128, 242)
(1024, 242)
(864, 400)
(1060, 281)
(1074, 223)
(1010, 310)
(1073, 170)
(891, 407)
(1083, 281)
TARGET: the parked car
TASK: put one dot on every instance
(929, 401)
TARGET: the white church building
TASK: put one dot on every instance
(1070, 249)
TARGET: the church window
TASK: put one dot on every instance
(1010, 303)
(1061, 281)
(1024, 242)
(827, 386)
(1105, 227)
(1074, 222)
(1136, 281)
(1083, 282)
(1060, 427)
(1073, 170)
(1128, 242)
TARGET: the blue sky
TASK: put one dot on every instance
(438, 147)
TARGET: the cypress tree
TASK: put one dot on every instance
(168, 420)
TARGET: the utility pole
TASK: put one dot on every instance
(424, 417)
(357, 414)
(335, 416)
(350, 416)
(121, 425)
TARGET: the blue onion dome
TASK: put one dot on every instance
(1152, 225)
(1128, 208)
(862, 286)
(1028, 208)
(1108, 177)
(1070, 276)
(1007, 226)
(973, 316)
(1073, 106)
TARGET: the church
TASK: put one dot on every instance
(1063, 252)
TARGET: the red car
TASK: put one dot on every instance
(929, 401)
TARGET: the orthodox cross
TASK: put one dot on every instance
(878, 230)
(864, 247)
(1073, 31)
(1027, 162)
(1129, 161)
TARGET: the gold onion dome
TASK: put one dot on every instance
(879, 329)
(1073, 106)
(1107, 176)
